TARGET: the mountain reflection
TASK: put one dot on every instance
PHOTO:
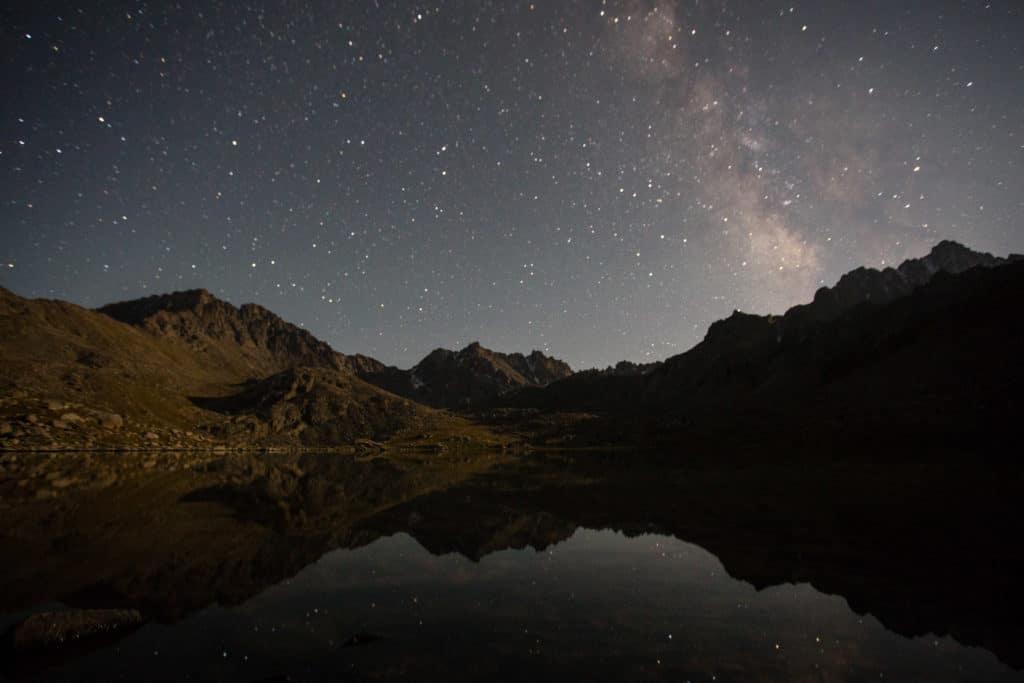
(601, 567)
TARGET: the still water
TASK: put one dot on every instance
(507, 591)
(598, 606)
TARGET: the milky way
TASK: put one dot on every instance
(596, 180)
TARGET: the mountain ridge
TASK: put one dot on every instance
(177, 372)
(268, 344)
(850, 355)
(190, 362)
(472, 375)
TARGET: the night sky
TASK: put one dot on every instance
(597, 180)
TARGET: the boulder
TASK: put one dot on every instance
(111, 421)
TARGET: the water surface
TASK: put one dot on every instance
(502, 570)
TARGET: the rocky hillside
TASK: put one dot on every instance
(255, 342)
(474, 375)
(183, 370)
(312, 407)
(249, 338)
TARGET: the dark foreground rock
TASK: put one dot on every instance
(54, 629)
(50, 639)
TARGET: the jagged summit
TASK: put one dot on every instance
(470, 376)
(863, 285)
(951, 257)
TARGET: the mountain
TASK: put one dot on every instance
(253, 340)
(882, 352)
(928, 349)
(181, 370)
(474, 375)
(249, 338)
(188, 369)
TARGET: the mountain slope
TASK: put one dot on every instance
(255, 342)
(179, 370)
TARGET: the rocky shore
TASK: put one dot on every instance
(36, 424)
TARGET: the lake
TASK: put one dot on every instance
(596, 567)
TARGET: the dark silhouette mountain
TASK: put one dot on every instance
(882, 350)
(459, 379)
(868, 285)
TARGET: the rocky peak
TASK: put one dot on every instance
(474, 374)
(252, 333)
(863, 285)
(742, 328)
(543, 369)
(946, 256)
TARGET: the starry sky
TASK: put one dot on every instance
(598, 180)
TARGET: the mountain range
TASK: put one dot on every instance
(881, 349)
